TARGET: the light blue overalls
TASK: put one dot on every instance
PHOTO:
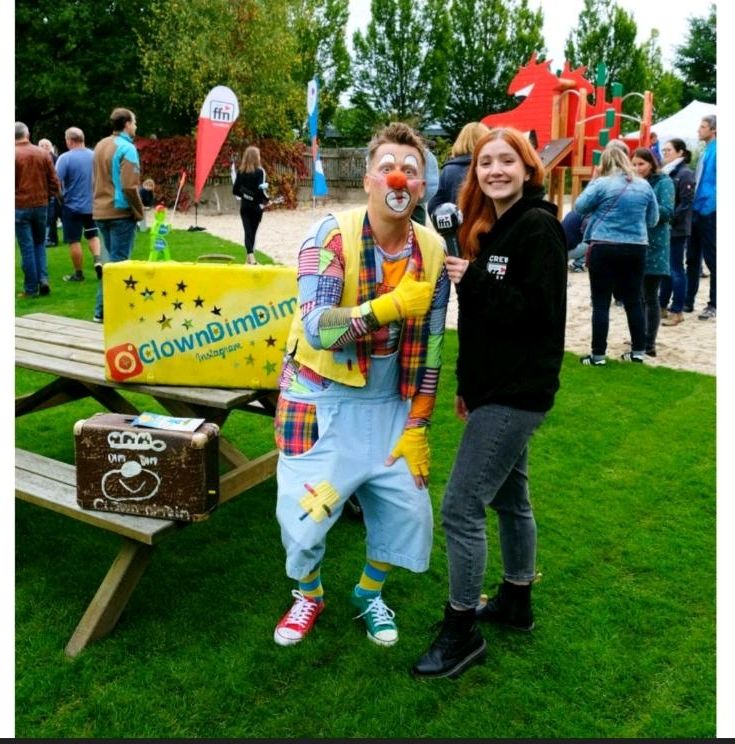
(358, 427)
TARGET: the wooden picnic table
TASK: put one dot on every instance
(72, 351)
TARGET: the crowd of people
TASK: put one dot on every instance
(640, 218)
(363, 358)
(100, 195)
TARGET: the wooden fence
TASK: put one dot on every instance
(344, 167)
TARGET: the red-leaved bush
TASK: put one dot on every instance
(163, 160)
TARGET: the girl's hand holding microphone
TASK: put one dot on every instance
(456, 268)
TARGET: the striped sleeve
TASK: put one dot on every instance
(321, 273)
(422, 404)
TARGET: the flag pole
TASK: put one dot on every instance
(319, 182)
(182, 181)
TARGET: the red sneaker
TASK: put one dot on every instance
(298, 621)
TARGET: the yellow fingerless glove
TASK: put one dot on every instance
(414, 447)
(410, 299)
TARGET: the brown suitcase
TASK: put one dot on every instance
(147, 472)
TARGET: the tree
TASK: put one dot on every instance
(75, 62)
(696, 59)
(491, 40)
(358, 122)
(319, 28)
(237, 44)
(606, 34)
(396, 71)
(666, 86)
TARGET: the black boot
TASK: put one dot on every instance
(458, 646)
(511, 606)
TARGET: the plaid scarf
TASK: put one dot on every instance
(414, 339)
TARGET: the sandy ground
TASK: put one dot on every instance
(691, 345)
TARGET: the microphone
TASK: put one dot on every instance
(447, 218)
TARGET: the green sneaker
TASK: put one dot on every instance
(378, 619)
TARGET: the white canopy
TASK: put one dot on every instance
(683, 124)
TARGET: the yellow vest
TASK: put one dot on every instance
(342, 365)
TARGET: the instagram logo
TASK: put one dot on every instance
(123, 362)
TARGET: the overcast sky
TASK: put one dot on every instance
(670, 18)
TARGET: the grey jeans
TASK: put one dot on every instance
(491, 469)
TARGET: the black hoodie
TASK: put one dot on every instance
(512, 311)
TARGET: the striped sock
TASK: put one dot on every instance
(311, 585)
(373, 577)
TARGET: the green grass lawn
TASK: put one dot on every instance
(623, 483)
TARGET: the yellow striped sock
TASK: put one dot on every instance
(373, 577)
(311, 584)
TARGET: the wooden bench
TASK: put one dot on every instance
(52, 484)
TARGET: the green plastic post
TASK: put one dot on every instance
(610, 118)
(617, 90)
(603, 137)
(159, 250)
(601, 74)
(596, 155)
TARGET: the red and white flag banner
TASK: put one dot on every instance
(218, 113)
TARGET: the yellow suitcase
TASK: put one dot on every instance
(171, 323)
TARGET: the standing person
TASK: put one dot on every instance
(117, 206)
(659, 242)
(74, 169)
(53, 212)
(35, 183)
(703, 241)
(454, 170)
(358, 387)
(511, 288)
(251, 187)
(621, 206)
(676, 158)
(655, 148)
(431, 179)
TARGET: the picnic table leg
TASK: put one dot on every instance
(111, 399)
(54, 394)
(112, 596)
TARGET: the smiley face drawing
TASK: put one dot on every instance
(132, 482)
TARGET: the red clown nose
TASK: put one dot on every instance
(396, 180)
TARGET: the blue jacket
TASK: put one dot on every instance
(617, 217)
(659, 236)
(705, 198)
(450, 180)
(431, 175)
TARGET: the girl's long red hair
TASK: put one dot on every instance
(477, 208)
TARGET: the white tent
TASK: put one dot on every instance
(683, 124)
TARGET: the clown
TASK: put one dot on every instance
(358, 387)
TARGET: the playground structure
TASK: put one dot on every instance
(570, 130)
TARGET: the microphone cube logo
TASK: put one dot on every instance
(221, 111)
(123, 361)
(443, 221)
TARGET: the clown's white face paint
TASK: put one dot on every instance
(411, 162)
(399, 173)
